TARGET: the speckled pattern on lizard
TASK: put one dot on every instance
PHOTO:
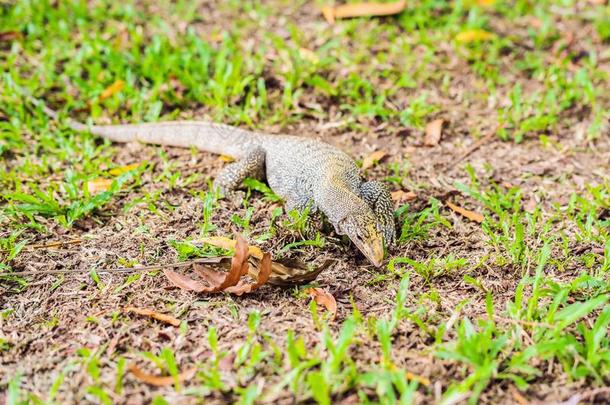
(303, 172)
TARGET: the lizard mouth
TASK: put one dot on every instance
(373, 250)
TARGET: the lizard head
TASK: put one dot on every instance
(361, 227)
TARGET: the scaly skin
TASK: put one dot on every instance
(304, 172)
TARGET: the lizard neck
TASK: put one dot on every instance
(337, 200)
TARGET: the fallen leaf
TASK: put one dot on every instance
(400, 196)
(231, 282)
(229, 244)
(309, 55)
(323, 297)
(263, 276)
(225, 158)
(362, 10)
(485, 3)
(160, 381)
(7, 36)
(474, 35)
(434, 130)
(117, 171)
(473, 216)
(226, 363)
(98, 185)
(183, 282)
(290, 272)
(112, 89)
(414, 377)
(372, 159)
(155, 315)
(261, 269)
(520, 399)
(530, 205)
(286, 272)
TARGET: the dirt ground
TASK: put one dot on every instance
(57, 315)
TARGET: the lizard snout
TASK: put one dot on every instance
(361, 228)
(370, 243)
(373, 250)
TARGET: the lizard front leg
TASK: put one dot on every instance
(231, 177)
(378, 197)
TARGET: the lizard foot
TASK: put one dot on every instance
(232, 175)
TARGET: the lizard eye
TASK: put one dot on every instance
(364, 234)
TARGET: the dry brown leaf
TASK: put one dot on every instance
(400, 196)
(473, 216)
(434, 130)
(227, 243)
(362, 10)
(209, 275)
(372, 159)
(286, 272)
(155, 315)
(308, 55)
(239, 262)
(160, 381)
(323, 297)
(291, 272)
(530, 205)
(183, 282)
(231, 281)
(474, 35)
(117, 171)
(7, 36)
(225, 158)
(263, 276)
(420, 379)
(112, 89)
(520, 399)
(226, 363)
(98, 185)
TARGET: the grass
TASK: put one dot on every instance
(517, 304)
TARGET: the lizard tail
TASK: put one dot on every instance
(205, 136)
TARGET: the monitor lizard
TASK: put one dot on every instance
(303, 172)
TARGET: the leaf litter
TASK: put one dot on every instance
(324, 298)
(362, 10)
(153, 314)
(471, 215)
(434, 131)
(161, 381)
(247, 260)
(111, 90)
(372, 159)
